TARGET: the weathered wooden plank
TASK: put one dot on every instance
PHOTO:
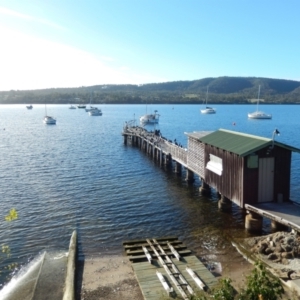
(163, 244)
(167, 238)
(137, 250)
(143, 256)
(151, 287)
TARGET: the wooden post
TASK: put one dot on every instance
(276, 226)
(253, 222)
(168, 159)
(224, 203)
(189, 176)
(177, 168)
(161, 157)
(204, 189)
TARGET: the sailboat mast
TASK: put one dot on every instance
(258, 98)
(206, 96)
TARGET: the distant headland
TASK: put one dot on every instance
(222, 90)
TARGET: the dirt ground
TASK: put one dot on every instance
(108, 277)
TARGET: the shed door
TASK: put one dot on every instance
(266, 179)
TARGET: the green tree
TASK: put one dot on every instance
(5, 249)
(261, 285)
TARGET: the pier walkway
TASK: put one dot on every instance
(152, 141)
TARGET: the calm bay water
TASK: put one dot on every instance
(78, 175)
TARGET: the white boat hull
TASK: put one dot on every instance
(49, 120)
(149, 119)
(95, 112)
(259, 115)
(89, 109)
(208, 111)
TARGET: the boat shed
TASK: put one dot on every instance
(244, 168)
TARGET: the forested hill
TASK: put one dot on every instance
(229, 90)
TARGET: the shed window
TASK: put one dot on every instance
(215, 164)
(252, 161)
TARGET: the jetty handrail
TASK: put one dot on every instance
(177, 152)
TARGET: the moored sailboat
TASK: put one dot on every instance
(95, 112)
(207, 109)
(259, 114)
(47, 119)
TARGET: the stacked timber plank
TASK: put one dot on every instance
(165, 265)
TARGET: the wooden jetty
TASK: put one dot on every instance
(243, 169)
(164, 266)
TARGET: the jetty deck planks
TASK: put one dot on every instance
(151, 287)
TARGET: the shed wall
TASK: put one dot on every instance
(230, 183)
(195, 159)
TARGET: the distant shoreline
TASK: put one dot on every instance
(153, 104)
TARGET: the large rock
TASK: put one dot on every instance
(278, 247)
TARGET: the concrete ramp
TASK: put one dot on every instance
(51, 280)
(47, 277)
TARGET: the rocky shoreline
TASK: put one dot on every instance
(280, 251)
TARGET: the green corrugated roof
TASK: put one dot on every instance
(240, 143)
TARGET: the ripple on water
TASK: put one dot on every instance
(79, 175)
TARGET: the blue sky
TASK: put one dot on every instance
(64, 43)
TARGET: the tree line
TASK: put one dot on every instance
(222, 90)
